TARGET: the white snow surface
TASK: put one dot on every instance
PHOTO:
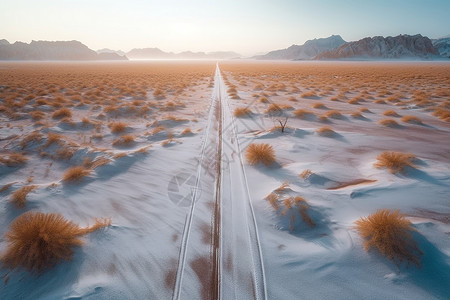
(137, 257)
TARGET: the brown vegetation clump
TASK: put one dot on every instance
(302, 113)
(333, 114)
(326, 131)
(411, 119)
(257, 153)
(19, 197)
(13, 159)
(38, 241)
(391, 113)
(273, 108)
(242, 111)
(117, 127)
(442, 114)
(318, 105)
(395, 161)
(62, 113)
(306, 173)
(389, 123)
(124, 140)
(186, 131)
(391, 234)
(76, 174)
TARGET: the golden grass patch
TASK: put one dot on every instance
(19, 197)
(242, 111)
(391, 113)
(326, 131)
(118, 127)
(388, 123)
(395, 161)
(13, 159)
(124, 140)
(75, 174)
(257, 153)
(412, 120)
(391, 234)
(302, 113)
(38, 241)
(62, 113)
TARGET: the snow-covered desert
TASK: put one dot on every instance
(225, 180)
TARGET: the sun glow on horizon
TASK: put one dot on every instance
(246, 27)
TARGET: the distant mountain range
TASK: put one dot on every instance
(376, 48)
(45, 50)
(442, 45)
(155, 53)
(331, 48)
(74, 50)
(307, 51)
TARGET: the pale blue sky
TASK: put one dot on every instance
(245, 26)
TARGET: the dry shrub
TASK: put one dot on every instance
(305, 174)
(354, 100)
(159, 94)
(53, 138)
(186, 131)
(379, 101)
(6, 187)
(37, 115)
(310, 94)
(333, 114)
(242, 111)
(326, 131)
(62, 113)
(273, 108)
(411, 119)
(257, 153)
(273, 200)
(38, 241)
(442, 114)
(388, 123)
(303, 207)
(364, 109)
(391, 234)
(395, 161)
(302, 113)
(356, 115)
(124, 140)
(19, 197)
(76, 174)
(318, 105)
(34, 137)
(263, 100)
(117, 127)
(13, 159)
(391, 113)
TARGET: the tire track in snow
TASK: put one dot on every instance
(190, 215)
(233, 267)
(242, 271)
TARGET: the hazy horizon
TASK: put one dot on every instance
(248, 27)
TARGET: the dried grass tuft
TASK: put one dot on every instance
(19, 197)
(76, 174)
(395, 161)
(257, 153)
(38, 241)
(391, 234)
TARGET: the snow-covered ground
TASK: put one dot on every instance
(190, 216)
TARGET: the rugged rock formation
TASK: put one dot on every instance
(443, 46)
(45, 50)
(306, 51)
(399, 47)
